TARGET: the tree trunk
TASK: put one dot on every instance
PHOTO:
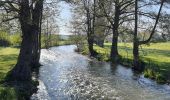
(37, 17)
(90, 30)
(90, 46)
(114, 56)
(136, 62)
(22, 70)
(114, 49)
(35, 50)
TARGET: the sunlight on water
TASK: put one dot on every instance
(66, 75)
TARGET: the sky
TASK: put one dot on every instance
(64, 18)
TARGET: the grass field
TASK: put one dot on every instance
(8, 58)
(155, 55)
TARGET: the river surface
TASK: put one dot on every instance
(67, 75)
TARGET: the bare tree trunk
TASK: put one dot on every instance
(114, 49)
(114, 56)
(135, 39)
(90, 46)
(136, 60)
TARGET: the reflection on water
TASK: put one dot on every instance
(67, 75)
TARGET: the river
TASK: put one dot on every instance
(67, 75)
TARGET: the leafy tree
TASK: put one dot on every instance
(136, 42)
(117, 12)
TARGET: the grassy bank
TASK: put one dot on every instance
(8, 58)
(155, 55)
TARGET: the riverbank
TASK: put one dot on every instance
(155, 55)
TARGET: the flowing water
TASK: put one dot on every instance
(66, 75)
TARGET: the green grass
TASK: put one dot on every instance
(8, 58)
(155, 55)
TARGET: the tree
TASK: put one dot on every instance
(29, 14)
(87, 8)
(102, 29)
(78, 30)
(91, 18)
(49, 23)
(116, 16)
(136, 42)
